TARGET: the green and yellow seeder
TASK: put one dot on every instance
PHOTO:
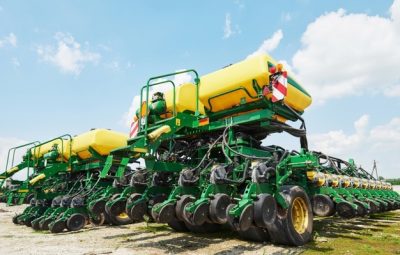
(206, 163)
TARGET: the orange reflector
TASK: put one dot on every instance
(143, 112)
(204, 121)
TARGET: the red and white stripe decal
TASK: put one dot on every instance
(134, 128)
(279, 87)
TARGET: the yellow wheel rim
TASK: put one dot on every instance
(123, 215)
(300, 215)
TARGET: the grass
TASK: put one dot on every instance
(154, 227)
(376, 234)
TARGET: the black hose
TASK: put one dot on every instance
(207, 154)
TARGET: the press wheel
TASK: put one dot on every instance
(76, 222)
(218, 206)
(323, 205)
(345, 210)
(265, 209)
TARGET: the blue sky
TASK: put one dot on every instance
(68, 66)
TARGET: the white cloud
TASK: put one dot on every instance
(67, 55)
(393, 91)
(395, 11)
(347, 54)
(269, 44)
(229, 30)
(9, 39)
(127, 117)
(178, 80)
(381, 143)
(5, 144)
(228, 26)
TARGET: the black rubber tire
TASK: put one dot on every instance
(284, 222)
(246, 218)
(36, 225)
(28, 199)
(255, 234)
(44, 225)
(117, 213)
(28, 221)
(203, 228)
(98, 219)
(180, 205)
(166, 214)
(218, 207)
(277, 234)
(383, 207)
(57, 227)
(177, 223)
(361, 210)
(159, 198)
(345, 210)
(391, 205)
(373, 206)
(133, 197)
(138, 211)
(98, 207)
(107, 219)
(113, 197)
(200, 215)
(265, 209)
(76, 222)
(323, 205)
(15, 219)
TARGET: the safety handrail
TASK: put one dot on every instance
(14, 150)
(149, 84)
(61, 138)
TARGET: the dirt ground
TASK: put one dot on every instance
(122, 240)
(331, 236)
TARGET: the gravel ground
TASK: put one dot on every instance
(130, 239)
(149, 239)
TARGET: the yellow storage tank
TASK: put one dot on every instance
(62, 146)
(241, 75)
(185, 95)
(101, 140)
